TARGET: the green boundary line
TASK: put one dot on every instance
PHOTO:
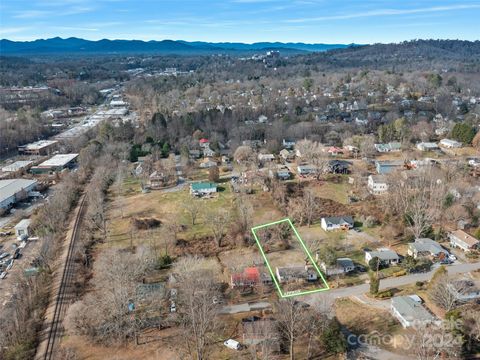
(274, 278)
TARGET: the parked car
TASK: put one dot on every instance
(452, 257)
(232, 344)
(4, 255)
(173, 307)
(3, 275)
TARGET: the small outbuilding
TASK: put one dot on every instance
(23, 228)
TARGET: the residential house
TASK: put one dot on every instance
(249, 277)
(450, 144)
(390, 147)
(460, 239)
(204, 143)
(305, 170)
(288, 144)
(266, 157)
(23, 228)
(410, 312)
(337, 223)
(342, 266)
(427, 146)
(386, 256)
(157, 180)
(465, 290)
(339, 167)
(296, 273)
(386, 167)
(203, 188)
(287, 155)
(377, 184)
(194, 154)
(425, 247)
(208, 152)
(334, 151)
(281, 173)
(207, 163)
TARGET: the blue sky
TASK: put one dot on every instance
(313, 21)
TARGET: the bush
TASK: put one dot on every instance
(146, 223)
(370, 222)
(384, 294)
(164, 262)
(419, 284)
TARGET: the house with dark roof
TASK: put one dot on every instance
(386, 256)
(337, 223)
(342, 266)
(296, 273)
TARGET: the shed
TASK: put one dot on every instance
(23, 228)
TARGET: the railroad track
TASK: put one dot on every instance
(62, 301)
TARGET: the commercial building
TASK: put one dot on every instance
(13, 190)
(17, 166)
(42, 147)
(55, 164)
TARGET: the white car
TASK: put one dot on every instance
(3, 275)
(452, 257)
(173, 307)
(232, 344)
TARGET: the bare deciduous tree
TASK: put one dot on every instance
(192, 208)
(197, 311)
(291, 316)
(217, 221)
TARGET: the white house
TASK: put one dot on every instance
(342, 266)
(450, 144)
(460, 239)
(426, 247)
(410, 312)
(337, 223)
(377, 184)
(427, 146)
(207, 163)
(203, 188)
(386, 256)
(266, 157)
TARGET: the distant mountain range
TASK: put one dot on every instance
(75, 45)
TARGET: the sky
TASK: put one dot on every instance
(310, 21)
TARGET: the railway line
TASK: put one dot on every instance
(64, 294)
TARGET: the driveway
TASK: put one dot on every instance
(246, 307)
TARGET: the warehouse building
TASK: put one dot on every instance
(14, 190)
(42, 147)
(17, 166)
(55, 164)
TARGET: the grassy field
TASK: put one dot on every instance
(129, 203)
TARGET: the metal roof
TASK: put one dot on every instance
(17, 165)
(11, 187)
(58, 160)
(410, 309)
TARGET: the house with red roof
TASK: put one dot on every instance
(249, 277)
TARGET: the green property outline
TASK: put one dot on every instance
(274, 278)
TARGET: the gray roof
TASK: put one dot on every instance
(427, 245)
(384, 254)
(11, 187)
(410, 309)
(338, 220)
(345, 262)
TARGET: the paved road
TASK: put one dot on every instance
(392, 282)
(246, 307)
